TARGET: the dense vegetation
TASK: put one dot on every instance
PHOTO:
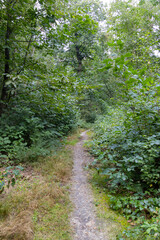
(127, 140)
(45, 68)
(36, 104)
(65, 64)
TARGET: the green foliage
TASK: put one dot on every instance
(145, 230)
(26, 132)
(129, 147)
(126, 146)
(135, 206)
(9, 176)
(78, 34)
(134, 27)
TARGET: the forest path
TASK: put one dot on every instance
(83, 219)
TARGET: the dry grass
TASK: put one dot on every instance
(18, 227)
(38, 206)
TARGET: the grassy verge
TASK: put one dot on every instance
(38, 206)
(115, 222)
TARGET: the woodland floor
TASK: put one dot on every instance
(83, 218)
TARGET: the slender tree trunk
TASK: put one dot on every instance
(3, 89)
(79, 59)
(7, 59)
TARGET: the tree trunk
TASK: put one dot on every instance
(79, 59)
(7, 59)
(3, 89)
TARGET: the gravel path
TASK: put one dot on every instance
(83, 219)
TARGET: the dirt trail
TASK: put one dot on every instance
(83, 219)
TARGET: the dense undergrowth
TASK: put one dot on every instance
(126, 146)
(26, 133)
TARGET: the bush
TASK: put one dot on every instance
(27, 132)
(9, 176)
(126, 146)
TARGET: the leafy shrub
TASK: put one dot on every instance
(27, 132)
(135, 206)
(8, 177)
(126, 146)
(146, 230)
